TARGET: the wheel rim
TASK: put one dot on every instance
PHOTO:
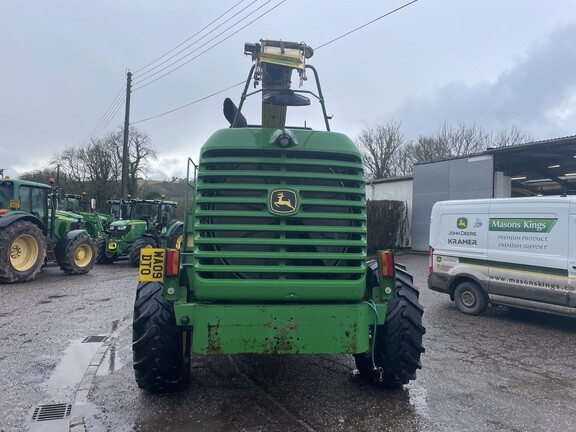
(24, 252)
(179, 241)
(83, 255)
(468, 299)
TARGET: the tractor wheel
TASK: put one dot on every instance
(100, 247)
(470, 298)
(79, 255)
(142, 242)
(22, 251)
(175, 239)
(398, 342)
(161, 349)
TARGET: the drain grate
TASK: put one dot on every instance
(92, 339)
(51, 412)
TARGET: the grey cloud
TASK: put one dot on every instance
(524, 96)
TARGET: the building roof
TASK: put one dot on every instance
(545, 167)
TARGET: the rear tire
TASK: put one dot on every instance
(470, 298)
(161, 349)
(22, 251)
(142, 242)
(79, 255)
(398, 342)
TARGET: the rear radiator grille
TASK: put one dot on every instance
(238, 237)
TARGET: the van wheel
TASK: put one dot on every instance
(470, 298)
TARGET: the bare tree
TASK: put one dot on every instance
(140, 152)
(509, 137)
(384, 158)
(40, 175)
(464, 139)
(72, 171)
(100, 170)
(96, 168)
(378, 146)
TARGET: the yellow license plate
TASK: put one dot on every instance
(152, 263)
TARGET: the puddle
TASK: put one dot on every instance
(111, 362)
(419, 400)
(70, 371)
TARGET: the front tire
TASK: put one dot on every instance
(161, 349)
(470, 298)
(100, 247)
(142, 242)
(398, 342)
(78, 256)
(22, 251)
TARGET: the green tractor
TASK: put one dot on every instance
(96, 223)
(113, 208)
(147, 223)
(31, 233)
(274, 257)
(73, 205)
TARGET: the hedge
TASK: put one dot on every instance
(387, 225)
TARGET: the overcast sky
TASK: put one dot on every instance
(494, 63)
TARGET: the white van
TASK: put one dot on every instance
(517, 252)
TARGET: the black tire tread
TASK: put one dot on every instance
(174, 236)
(159, 363)
(100, 247)
(8, 234)
(134, 254)
(67, 263)
(399, 340)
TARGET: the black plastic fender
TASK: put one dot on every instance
(17, 215)
(171, 228)
(60, 248)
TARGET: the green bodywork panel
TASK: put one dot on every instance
(279, 328)
(125, 232)
(275, 246)
(245, 250)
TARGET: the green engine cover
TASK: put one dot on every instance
(278, 224)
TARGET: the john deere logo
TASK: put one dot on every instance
(462, 223)
(283, 201)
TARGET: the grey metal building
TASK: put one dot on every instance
(537, 168)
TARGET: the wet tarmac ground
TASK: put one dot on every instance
(505, 370)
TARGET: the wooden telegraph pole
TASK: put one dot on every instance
(124, 183)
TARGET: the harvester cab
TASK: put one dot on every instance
(273, 257)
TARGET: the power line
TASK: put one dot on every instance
(188, 104)
(121, 97)
(195, 42)
(106, 120)
(108, 115)
(112, 111)
(235, 85)
(367, 24)
(209, 48)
